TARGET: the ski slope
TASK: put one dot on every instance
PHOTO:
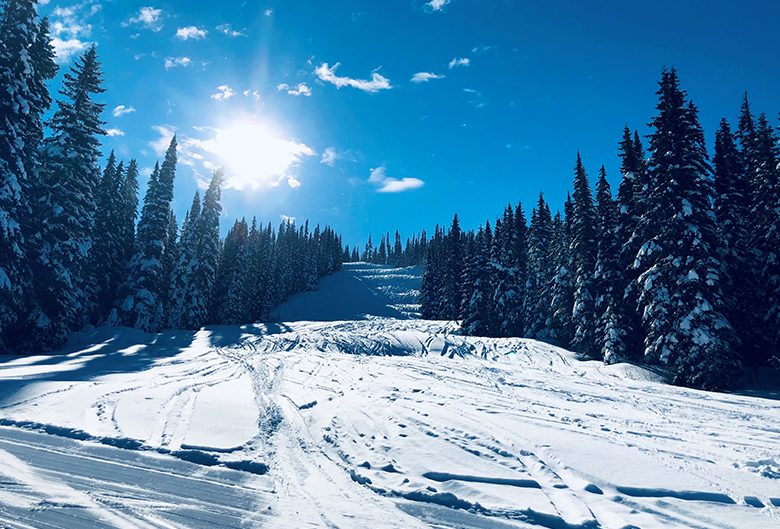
(349, 412)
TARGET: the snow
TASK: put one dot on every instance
(349, 412)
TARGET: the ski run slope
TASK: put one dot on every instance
(350, 413)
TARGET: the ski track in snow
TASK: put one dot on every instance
(374, 420)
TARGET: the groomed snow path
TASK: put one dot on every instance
(351, 413)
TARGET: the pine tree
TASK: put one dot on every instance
(65, 205)
(178, 304)
(26, 64)
(453, 271)
(732, 211)
(540, 271)
(203, 265)
(478, 314)
(128, 213)
(108, 256)
(559, 326)
(680, 282)
(507, 297)
(632, 205)
(142, 300)
(766, 231)
(231, 292)
(431, 290)
(583, 250)
(609, 277)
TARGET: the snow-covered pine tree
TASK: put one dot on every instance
(559, 327)
(106, 259)
(26, 64)
(178, 303)
(204, 263)
(314, 259)
(169, 258)
(680, 284)
(732, 211)
(431, 299)
(141, 302)
(129, 212)
(632, 203)
(765, 217)
(507, 297)
(540, 270)
(608, 277)
(64, 207)
(231, 291)
(478, 316)
(583, 250)
(451, 294)
(766, 187)
(398, 250)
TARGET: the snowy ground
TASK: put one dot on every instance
(375, 420)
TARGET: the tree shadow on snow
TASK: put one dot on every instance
(92, 354)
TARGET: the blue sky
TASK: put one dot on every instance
(459, 105)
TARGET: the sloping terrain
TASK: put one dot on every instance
(349, 412)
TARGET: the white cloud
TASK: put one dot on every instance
(173, 62)
(115, 132)
(64, 50)
(268, 12)
(147, 17)
(293, 182)
(223, 93)
(165, 133)
(191, 33)
(121, 110)
(424, 77)
(330, 156)
(459, 61)
(437, 5)
(302, 89)
(255, 94)
(228, 30)
(396, 185)
(69, 26)
(378, 176)
(376, 83)
(287, 219)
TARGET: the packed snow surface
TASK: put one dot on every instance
(351, 413)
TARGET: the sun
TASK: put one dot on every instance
(255, 154)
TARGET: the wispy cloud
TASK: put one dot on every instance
(223, 93)
(268, 12)
(174, 62)
(148, 17)
(376, 83)
(378, 176)
(69, 27)
(424, 77)
(255, 94)
(191, 33)
(228, 30)
(301, 89)
(164, 134)
(459, 61)
(65, 49)
(330, 156)
(115, 132)
(437, 5)
(121, 110)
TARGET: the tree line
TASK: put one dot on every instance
(680, 269)
(387, 253)
(71, 251)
